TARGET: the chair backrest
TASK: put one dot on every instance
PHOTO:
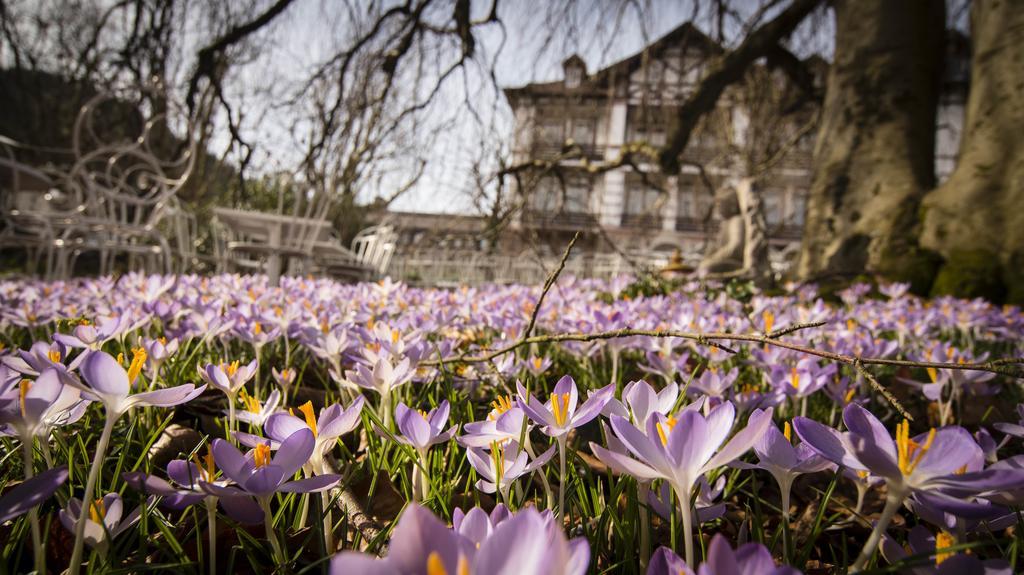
(375, 246)
(126, 181)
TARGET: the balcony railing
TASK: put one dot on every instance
(564, 220)
(544, 150)
(691, 224)
(641, 221)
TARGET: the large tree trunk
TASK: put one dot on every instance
(976, 219)
(875, 153)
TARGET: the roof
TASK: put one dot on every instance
(600, 82)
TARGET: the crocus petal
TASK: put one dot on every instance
(721, 559)
(534, 408)
(952, 449)
(623, 464)
(521, 545)
(666, 562)
(826, 441)
(687, 442)
(345, 422)
(412, 425)
(862, 422)
(440, 416)
(229, 460)
(264, 480)
(105, 375)
(31, 492)
(281, 426)
(774, 447)
(566, 384)
(316, 483)
(638, 443)
(241, 508)
(167, 397)
(419, 534)
(540, 460)
(479, 460)
(742, 441)
(294, 451)
(592, 407)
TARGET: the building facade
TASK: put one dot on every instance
(584, 121)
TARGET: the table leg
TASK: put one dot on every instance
(274, 259)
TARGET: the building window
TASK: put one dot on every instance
(642, 199)
(577, 197)
(799, 209)
(583, 130)
(687, 206)
(551, 198)
(772, 209)
(549, 132)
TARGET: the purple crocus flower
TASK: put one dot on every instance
(40, 357)
(228, 377)
(256, 413)
(158, 351)
(332, 422)
(640, 401)
(284, 378)
(524, 544)
(104, 516)
(92, 337)
(31, 492)
(260, 474)
(714, 383)
(921, 541)
(504, 423)
(747, 559)
(559, 415)
(504, 464)
(107, 382)
(537, 365)
(184, 488)
(777, 455)
(423, 430)
(682, 449)
(33, 408)
(941, 460)
(477, 525)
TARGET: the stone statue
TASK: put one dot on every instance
(726, 254)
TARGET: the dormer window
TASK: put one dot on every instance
(574, 69)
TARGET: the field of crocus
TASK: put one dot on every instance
(220, 425)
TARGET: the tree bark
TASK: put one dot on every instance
(756, 264)
(976, 219)
(875, 153)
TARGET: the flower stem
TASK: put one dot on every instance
(231, 419)
(268, 524)
(892, 504)
(325, 508)
(645, 525)
(33, 513)
(90, 487)
(548, 496)
(424, 482)
(561, 480)
(786, 543)
(684, 508)
(211, 532)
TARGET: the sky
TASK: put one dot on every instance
(538, 35)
